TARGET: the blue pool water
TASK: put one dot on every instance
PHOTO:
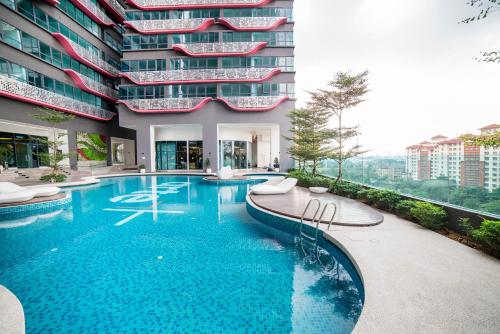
(165, 254)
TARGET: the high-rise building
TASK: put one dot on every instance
(188, 80)
(461, 163)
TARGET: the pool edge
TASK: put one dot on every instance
(327, 236)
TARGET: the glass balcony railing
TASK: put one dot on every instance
(94, 12)
(114, 7)
(469, 182)
(53, 2)
(22, 91)
(190, 4)
(221, 49)
(87, 84)
(253, 103)
(201, 76)
(252, 23)
(166, 105)
(86, 57)
(169, 26)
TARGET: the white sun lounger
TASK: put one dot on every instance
(225, 173)
(281, 188)
(11, 192)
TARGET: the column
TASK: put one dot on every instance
(210, 141)
(72, 147)
(109, 148)
(146, 147)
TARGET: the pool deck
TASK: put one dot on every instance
(419, 281)
(11, 313)
(292, 204)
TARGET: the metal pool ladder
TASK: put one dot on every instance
(310, 238)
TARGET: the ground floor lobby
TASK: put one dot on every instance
(23, 146)
(239, 146)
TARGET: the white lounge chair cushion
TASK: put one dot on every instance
(9, 187)
(45, 191)
(281, 188)
(225, 173)
(16, 196)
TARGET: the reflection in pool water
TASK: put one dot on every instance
(167, 254)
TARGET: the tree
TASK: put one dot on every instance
(486, 7)
(346, 91)
(310, 136)
(298, 120)
(54, 156)
(489, 140)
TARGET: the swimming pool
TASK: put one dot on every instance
(170, 254)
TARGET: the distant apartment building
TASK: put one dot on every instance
(392, 173)
(451, 158)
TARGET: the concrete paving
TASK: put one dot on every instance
(418, 281)
(11, 313)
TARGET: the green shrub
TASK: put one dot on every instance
(386, 199)
(429, 215)
(346, 189)
(488, 235)
(372, 195)
(403, 208)
(53, 178)
(363, 194)
(142, 166)
(307, 180)
(465, 226)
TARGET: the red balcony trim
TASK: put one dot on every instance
(256, 49)
(164, 111)
(53, 2)
(89, 13)
(72, 52)
(233, 107)
(75, 76)
(51, 106)
(201, 27)
(200, 6)
(112, 11)
(228, 24)
(274, 72)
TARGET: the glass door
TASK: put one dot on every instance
(24, 155)
(195, 155)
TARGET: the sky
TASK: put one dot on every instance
(424, 78)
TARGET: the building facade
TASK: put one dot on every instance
(63, 55)
(207, 79)
(171, 83)
(460, 163)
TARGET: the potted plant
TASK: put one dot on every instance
(276, 165)
(207, 166)
(142, 169)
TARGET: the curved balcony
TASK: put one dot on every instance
(115, 8)
(88, 85)
(166, 105)
(53, 2)
(194, 4)
(253, 103)
(201, 76)
(252, 23)
(24, 92)
(94, 12)
(86, 57)
(232, 49)
(149, 27)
